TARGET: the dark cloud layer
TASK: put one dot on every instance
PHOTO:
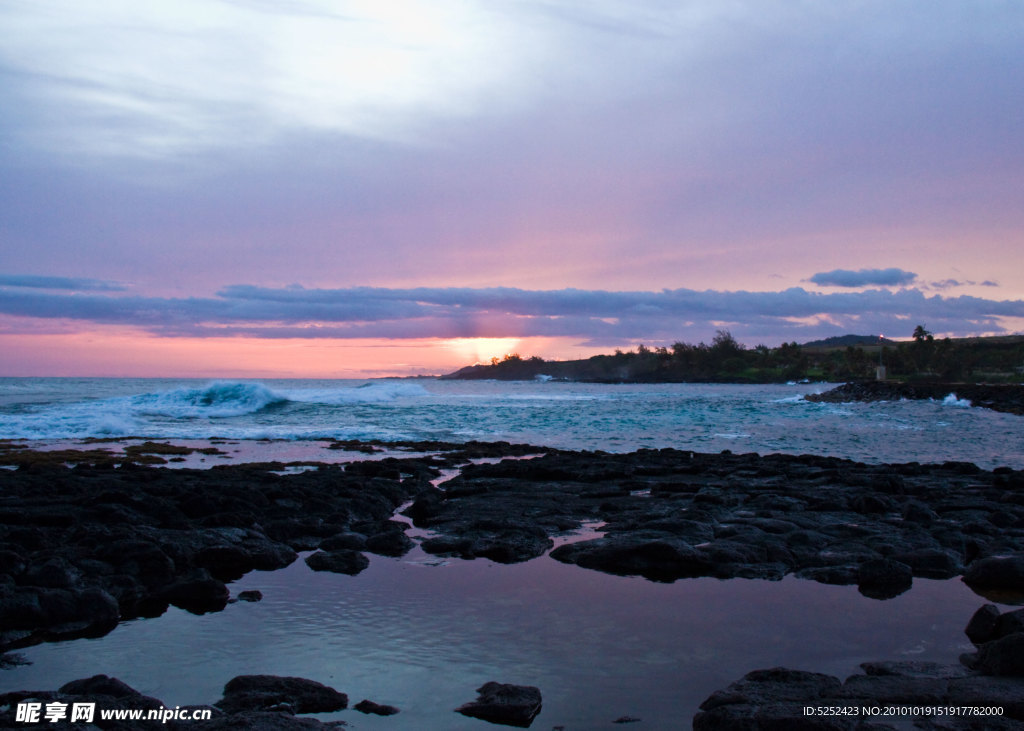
(592, 316)
(68, 283)
(891, 277)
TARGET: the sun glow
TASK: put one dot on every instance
(481, 350)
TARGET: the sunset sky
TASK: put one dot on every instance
(262, 188)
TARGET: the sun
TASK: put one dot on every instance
(481, 350)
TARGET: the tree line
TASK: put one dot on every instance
(725, 360)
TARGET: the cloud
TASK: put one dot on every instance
(451, 312)
(951, 283)
(69, 283)
(891, 277)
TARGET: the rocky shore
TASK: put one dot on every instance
(249, 702)
(669, 514)
(1002, 397)
(84, 547)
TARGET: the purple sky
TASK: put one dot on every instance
(566, 177)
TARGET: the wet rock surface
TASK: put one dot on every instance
(88, 538)
(505, 704)
(270, 692)
(669, 514)
(376, 709)
(989, 681)
(83, 547)
(998, 397)
(254, 703)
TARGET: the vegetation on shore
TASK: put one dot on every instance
(725, 360)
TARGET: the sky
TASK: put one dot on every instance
(320, 188)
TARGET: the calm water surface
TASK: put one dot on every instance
(423, 637)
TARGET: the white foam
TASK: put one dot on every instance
(368, 393)
(798, 399)
(952, 400)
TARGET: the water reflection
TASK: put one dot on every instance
(422, 637)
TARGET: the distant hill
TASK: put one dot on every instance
(844, 341)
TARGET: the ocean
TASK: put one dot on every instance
(617, 418)
(422, 633)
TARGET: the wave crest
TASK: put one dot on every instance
(218, 399)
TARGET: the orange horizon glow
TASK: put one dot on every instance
(140, 355)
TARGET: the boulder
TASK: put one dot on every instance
(342, 561)
(389, 543)
(199, 593)
(1003, 656)
(271, 692)
(769, 699)
(377, 709)
(982, 626)
(883, 578)
(997, 572)
(505, 704)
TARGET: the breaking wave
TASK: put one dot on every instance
(952, 400)
(233, 408)
(218, 399)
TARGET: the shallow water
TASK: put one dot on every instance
(423, 634)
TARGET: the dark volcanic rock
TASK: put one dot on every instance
(377, 709)
(982, 626)
(765, 699)
(99, 685)
(997, 573)
(776, 699)
(145, 536)
(338, 562)
(82, 548)
(1002, 656)
(883, 578)
(348, 540)
(671, 514)
(112, 694)
(198, 594)
(1003, 397)
(265, 692)
(389, 539)
(506, 704)
(658, 559)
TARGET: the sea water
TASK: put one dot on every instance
(618, 418)
(422, 633)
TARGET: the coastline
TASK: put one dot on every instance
(88, 546)
(1008, 398)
